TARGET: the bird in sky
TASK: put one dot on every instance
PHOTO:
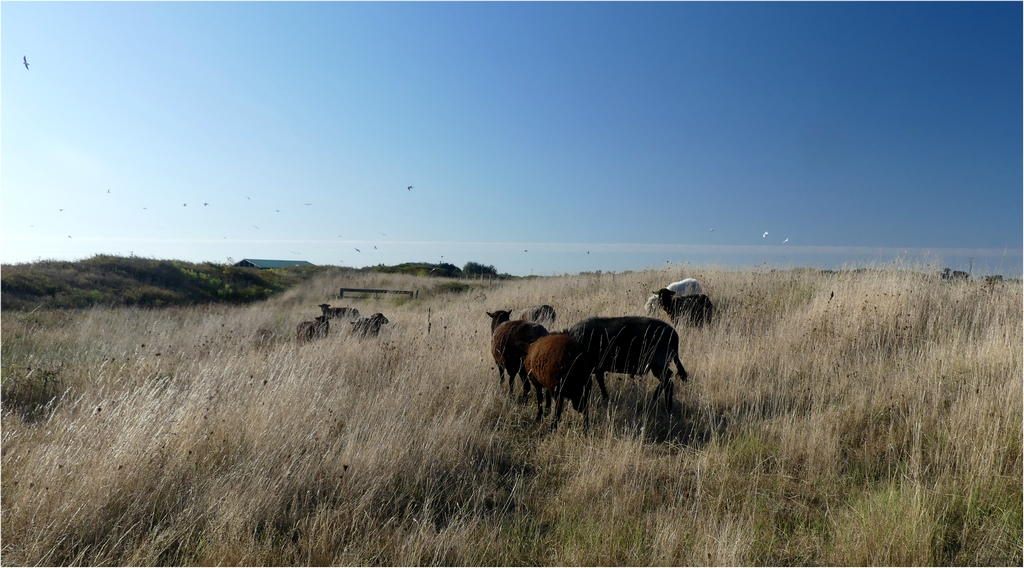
(374, 247)
(588, 252)
(108, 191)
(69, 236)
(524, 250)
(247, 197)
(712, 230)
(24, 59)
(257, 228)
(765, 235)
(205, 204)
(143, 207)
(357, 250)
(278, 210)
(785, 241)
(184, 204)
(309, 204)
(60, 209)
(409, 188)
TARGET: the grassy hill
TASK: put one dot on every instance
(846, 418)
(122, 281)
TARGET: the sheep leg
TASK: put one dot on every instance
(558, 412)
(600, 382)
(539, 402)
(501, 375)
(526, 381)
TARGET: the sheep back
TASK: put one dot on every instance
(558, 363)
(540, 314)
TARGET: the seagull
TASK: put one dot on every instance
(374, 247)
(309, 204)
(205, 204)
(712, 230)
(785, 241)
(24, 59)
(60, 209)
(143, 207)
(69, 236)
(257, 228)
(278, 210)
(764, 235)
(357, 250)
(108, 191)
(409, 188)
(524, 250)
(247, 197)
(184, 204)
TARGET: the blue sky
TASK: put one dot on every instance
(860, 132)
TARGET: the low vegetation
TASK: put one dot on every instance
(866, 418)
(114, 281)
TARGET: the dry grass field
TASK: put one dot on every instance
(856, 417)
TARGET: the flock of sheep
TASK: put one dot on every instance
(321, 325)
(560, 365)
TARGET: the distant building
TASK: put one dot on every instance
(262, 263)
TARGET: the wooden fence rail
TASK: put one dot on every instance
(367, 292)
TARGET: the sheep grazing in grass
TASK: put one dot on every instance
(685, 287)
(369, 327)
(308, 330)
(509, 343)
(632, 345)
(339, 313)
(543, 314)
(559, 366)
(697, 309)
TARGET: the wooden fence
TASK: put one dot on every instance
(368, 292)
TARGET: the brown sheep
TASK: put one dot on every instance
(509, 342)
(308, 330)
(696, 309)
(559, 365)
(366, 327)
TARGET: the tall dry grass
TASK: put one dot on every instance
(868, 417)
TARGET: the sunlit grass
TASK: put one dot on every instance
(868, 417)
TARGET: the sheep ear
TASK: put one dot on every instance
(489, 314)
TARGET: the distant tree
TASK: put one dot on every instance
(477, 268)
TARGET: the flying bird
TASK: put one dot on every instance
(108, 191)
(69, 236)
(785, 241)
(143, 207)
(184, 204)
(524, 250)
(278, 210)
(205, 204)
(60, 209)
(257, 228)
(247, 197)
(764, 235)
(309, 204)
(409, 188)
(357, 250)
(374, 247)
(712, 230)
(24, 59)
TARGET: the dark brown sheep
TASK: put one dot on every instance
(632, 345)
(558, 365)
(537, 314)
(369, 327)
(509, 342)
(308, 330)
(695, 309)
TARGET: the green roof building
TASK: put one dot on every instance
(262, 263)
